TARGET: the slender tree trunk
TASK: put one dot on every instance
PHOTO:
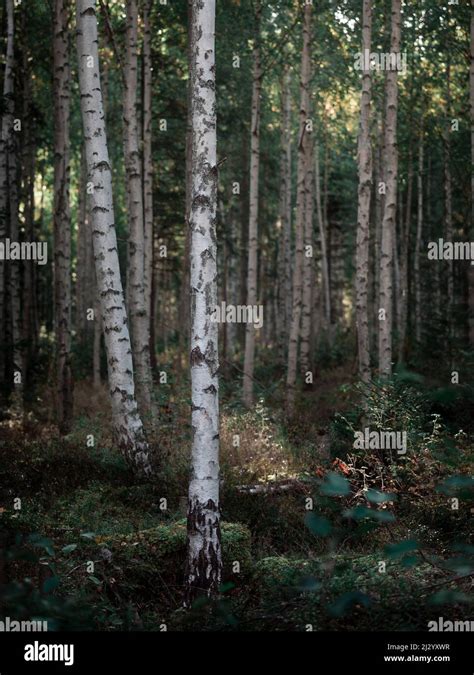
(5, 142)
(308, 265)
(137, 307)
(402, 297)
(147, 162)
(127, 424)
(363, 209)
(471, 98)
(184, 333)
(419, 235)
(324, 247)
(448, 204)
(204, 562)
(390, 206)
(253, 214)
(303, 149)
(284, 250)
(62, 215)
(14, 267)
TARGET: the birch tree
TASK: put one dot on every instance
(249, 359)
(303, 145)
(204, 562)
(62, 214)
(284, 249)
(390, 204)
(147, 159)
(136, 296)
(364, 152)
(126, 421)
(308, 264)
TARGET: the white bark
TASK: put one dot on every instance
(127, 424)
(390, 206)
(303, 145)
(62, 215)
(147, 159)
(204, 562)
(364, 152)
(249, 359)
(139, 316)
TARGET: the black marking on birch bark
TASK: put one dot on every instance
(210, 389)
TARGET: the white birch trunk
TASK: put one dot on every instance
(147, 159)
(390, 205)
(139, 317)
(249, 359)
(204, 562)
(62, 215)
(303, 140)
(364, 152)
(127, 424)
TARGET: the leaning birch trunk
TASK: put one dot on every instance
(139, 317)
(363, 208)
(204, 562)
(390, 205)
(419, 235)
(147, 159)
(127, 424)
(303, 140)
(471, 98)
(62, 215)
(308, 268)
(249, 359)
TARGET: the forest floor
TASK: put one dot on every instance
(316, 535)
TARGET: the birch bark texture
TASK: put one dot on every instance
(303, 148)
(390, 203)
(147, 159)
(252, 276)
(128, 427)
(204, 560)
(136, 289)
(364, 152)
(62, 214)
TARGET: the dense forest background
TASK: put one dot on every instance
(333, 185)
